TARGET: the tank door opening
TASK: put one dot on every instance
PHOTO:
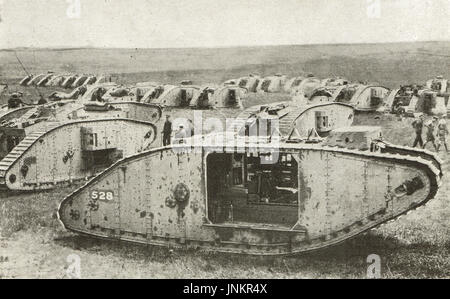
(265, 85)
(98, 150)
(183, 97)
(375, 97)
(242, 190)
(232, 97)
(323, 125)
(428, 103)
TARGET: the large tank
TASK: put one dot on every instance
(364, 98)
(272, 84)
(66, 141)
(415, 102)
(296, 121)
(369, 97)
(228, 96)
(250, 82)
(439, 85)
(264, 196)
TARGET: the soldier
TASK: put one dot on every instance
(191, 128)
(442, 134)
(418, 126)
(167, 131)
(431, 125)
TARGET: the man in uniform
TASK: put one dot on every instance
(418, 126)
(167, 131)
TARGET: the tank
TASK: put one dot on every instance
(67, 141)
(261, 196)
(203, 99)
(369, 98)
(79, 81)
(439, 85)
(35, 79)
(293, 121)
(25, 80)
(292, 83)
(304, 89)
(418, 102)
(364, 98)
(228, 96)
(272, 84)
(56, 80)
(172, 96)
(68, 81)
(8, 114)
(250, 82)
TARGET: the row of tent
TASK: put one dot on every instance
(61, 80)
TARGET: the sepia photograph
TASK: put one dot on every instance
(252, 140)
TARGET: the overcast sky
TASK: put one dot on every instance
(218, 23)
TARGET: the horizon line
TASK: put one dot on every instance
(215, 47)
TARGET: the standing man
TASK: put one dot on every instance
(191, 128)
(167, 131)
(418, 126)
(442, 134)
(431, 126)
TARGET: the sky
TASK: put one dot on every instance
(218, 23)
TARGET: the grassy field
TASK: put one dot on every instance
(33, 244)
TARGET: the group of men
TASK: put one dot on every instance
(435, 129)
(180, 135)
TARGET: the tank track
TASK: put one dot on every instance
(372, 221)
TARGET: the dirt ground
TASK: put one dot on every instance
(33, 243)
